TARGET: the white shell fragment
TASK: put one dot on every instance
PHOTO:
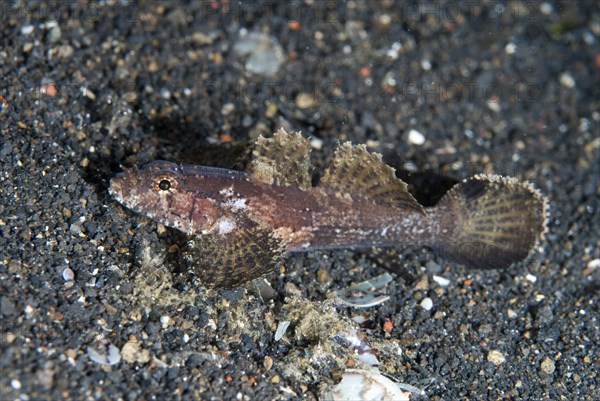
(359, 344)
(281, 329)
(444, 282)
(264, 53)
(531, 278)
(365, 385)
(104, 353)
(496, 357)
(365, 294)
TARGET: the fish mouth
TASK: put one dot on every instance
(115, 188)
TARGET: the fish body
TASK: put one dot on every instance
(211, 201)
(241, 224)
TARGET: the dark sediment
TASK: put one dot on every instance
(509, 88)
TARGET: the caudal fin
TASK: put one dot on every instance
(491, 222)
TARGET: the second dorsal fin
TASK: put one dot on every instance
(356, 171)
(283, 159)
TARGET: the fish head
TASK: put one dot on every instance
(160, 192)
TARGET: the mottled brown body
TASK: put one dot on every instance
(241, 224)
(211, 201)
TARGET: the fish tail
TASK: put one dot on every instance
(490, 222)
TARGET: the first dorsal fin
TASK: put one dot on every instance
(356, 171)
(283, 159)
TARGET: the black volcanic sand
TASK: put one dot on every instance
(509, 87)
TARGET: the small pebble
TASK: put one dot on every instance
(264, 53)
(510, 48)
(54, 34)
(87, 92)
(306, 100)
(133, 352)
(15, 384)
(64, 51)
(165, 93)
(415, 137)
(547, 366)
(546, 8)
(567, 80)
(432, 266)
(104, 353)
(531, 278)
(496, 357)
(485, 329)
(422, 284)
(201, 38)
(316, 143)
(227, 109)
(49, 89)
(268, 362)
(444, 282)
(68, 274)
(494, 105)
(27, 29)
(394, 51)
(10, 337)
(593, 264)
(427, 304)
(323, 276)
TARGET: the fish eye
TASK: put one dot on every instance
(164, 185)
(163, 181)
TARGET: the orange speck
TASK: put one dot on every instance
(228, 379)
(350, 363)
(365, 72)
(225, 137)
(388, 326)
(216, 57)
(598, 60)
(49, 89)
(293, 25)
(468, 282)
(252, 380)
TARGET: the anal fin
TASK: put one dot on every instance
(230, 260)
(356, 171)
(283, 159)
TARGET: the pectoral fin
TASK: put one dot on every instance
(230, 260)
(356, 171)
(283, 159)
